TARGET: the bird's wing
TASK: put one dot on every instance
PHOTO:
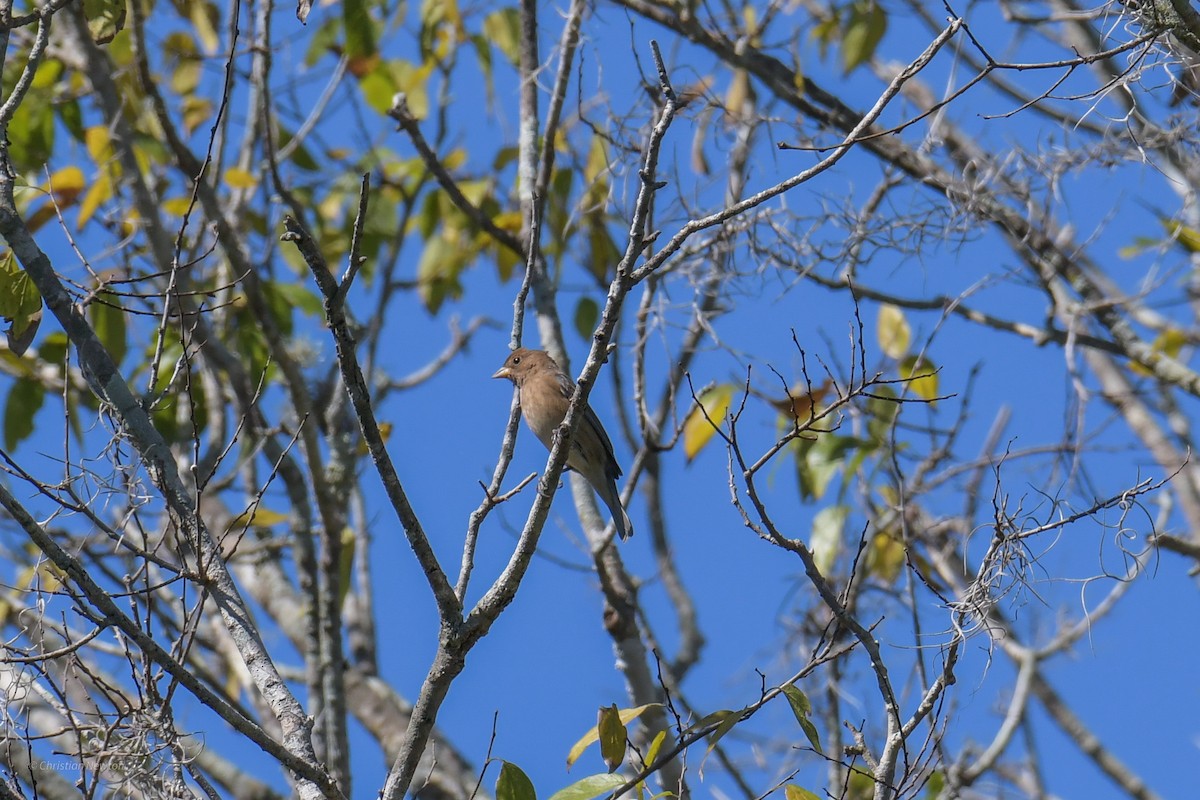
(590, 419)
(567, 387)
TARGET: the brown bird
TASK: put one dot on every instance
(545, 392)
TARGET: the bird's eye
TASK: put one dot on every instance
(516, 360)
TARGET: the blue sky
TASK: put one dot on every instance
(548, 664)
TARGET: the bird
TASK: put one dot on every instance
(545, 394)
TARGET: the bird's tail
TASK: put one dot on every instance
(621, 519)
(612, 499)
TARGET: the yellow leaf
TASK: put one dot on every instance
(793, 792)
(1185, 237)
(346, 563)
(885, 556)
(65, 185)
(99, 146)
(413, 81)
(196, 111)
(893, 332)
(100, 192)
(259, 518)
(43, 576)
(205, 17)
(475, 191)
(826, 543)
(703, 420)
(613, 737)
(750, 17)
(239, 179)
(625, 715)
(655, 746)
(385, 431)
(508, 221)
(739, 98)
(920, 375)
(598, 163)
(176, 206)
(1168, 342)
(129, 225)
(798, 405)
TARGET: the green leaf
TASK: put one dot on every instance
(826, 542)
(300, 157)
(279, 306)
(801, 708)
(360, 29)
(53, 349)
(626, 715)
(818, 462)
(298, 296)
(711, 718)
(105, 18)
(506, 262)
(379, 88)
(558, 210)
(589, 787)
(20, 304)
(587, 314)
(729, 719)
(324, 40)
(602, 252)
(31, 134)
(612, 737)
(825, 32)
(864, 30)
(183, 57)
(503, 29)
(72, 117)
(798, 700)
(793, 792)
(47, 75)
(438, 270)
(860, 786)
(24, 399)
(882, 410)
(483, 54)
(413, 81)
(108, 320)
(513, 784)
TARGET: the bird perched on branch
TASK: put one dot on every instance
(545, 392)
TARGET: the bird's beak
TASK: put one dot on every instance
(503, 372)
